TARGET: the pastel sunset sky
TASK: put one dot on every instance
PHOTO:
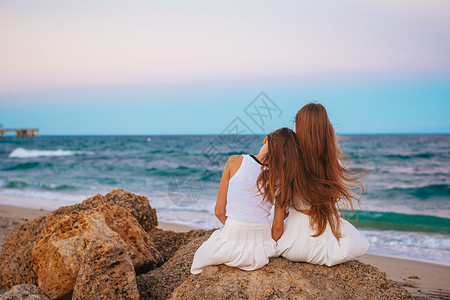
(172, 67)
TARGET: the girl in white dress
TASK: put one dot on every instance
(245, 241)
(309, 190)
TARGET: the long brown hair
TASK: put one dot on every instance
(308, 169)
(278, 180)
(326, 182)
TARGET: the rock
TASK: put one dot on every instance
(6, 226)
(93, 250)
(138, 205)
(105, 273)
(160, 283)
(167, 242)
(15, 258)
(24, 291)
(283, 279)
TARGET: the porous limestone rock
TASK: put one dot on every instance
(160, 283)
(167, 242)
(138, 205)
(15, 257)
(104, 240)
(24, 292)
(283, 279)
(105, 273)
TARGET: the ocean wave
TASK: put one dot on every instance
(20, 185)
(411, 156)
(14, 184)
(26, 166)
(199, 174)
(32, 153)
(423, 192)
(216, 156)
(58, 187)
(399, 222)
(406, 191)
(441, 169)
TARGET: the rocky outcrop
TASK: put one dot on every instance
(160, 283)
(105, 273)
(167, 242)
(24, 291)
(15, 258)
(92, 251)
(282, 279)
(6, 225)
(136, 204)
(96, 248)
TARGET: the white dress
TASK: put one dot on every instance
(297, 244)
(245, 241)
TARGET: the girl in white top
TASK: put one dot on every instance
(245, 241)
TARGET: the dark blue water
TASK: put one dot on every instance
(405, 212)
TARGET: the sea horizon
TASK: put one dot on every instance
(212, 134)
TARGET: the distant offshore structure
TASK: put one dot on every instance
(20, 132)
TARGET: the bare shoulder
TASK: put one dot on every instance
(234, 160)
(233, 164)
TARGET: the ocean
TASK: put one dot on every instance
(405, 212)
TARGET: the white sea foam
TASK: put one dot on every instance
(434, 248)
(48, 200)
(31, 153)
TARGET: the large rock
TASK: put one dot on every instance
(15, 258)
(24, 291)
(93, 252)
(167, 242)
(138, 206)
(6, 226)
(282, 279)
(160, 283)
(105, 273)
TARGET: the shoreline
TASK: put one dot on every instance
(24, 214)
(423, 280)
(33, 205)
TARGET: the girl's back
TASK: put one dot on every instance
(244, 202)
(245, 241)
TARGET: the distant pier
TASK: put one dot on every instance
(20, 133)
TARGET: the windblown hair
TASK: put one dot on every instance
(278, 181)
(308, 169)
(326, 182)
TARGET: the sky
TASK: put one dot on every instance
(165, 67)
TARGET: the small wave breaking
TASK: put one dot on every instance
(32, 153)
(376, 220)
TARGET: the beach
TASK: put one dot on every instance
(423, 280)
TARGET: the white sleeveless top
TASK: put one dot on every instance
(244, 202)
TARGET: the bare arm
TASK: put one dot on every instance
(278, 222)
(230, 169)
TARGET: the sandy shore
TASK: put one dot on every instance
(423, 280)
